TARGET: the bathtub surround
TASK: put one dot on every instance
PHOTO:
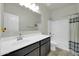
(60, 34)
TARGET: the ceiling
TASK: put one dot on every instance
(54, 6)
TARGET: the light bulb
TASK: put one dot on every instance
(31, 6)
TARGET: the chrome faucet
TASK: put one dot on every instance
(19, 37)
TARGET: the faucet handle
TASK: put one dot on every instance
(20, 33)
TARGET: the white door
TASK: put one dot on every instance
(11, 22)
(60, 33)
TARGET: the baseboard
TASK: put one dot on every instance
(66, 49)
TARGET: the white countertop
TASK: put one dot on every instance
(11, 44)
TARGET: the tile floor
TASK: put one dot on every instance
(60, 52)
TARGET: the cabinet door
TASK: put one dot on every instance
(45, 49)
(34, 53)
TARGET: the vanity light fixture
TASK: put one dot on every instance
(31, 6)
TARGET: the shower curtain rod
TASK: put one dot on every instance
(75, 14)
(70, 15)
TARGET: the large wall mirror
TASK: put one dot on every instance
(19, 19)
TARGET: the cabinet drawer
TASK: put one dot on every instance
(45, 40)
(24, 51)
(34, 53)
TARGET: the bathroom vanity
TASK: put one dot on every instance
(38, 47)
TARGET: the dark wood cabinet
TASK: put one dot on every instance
(34, 53)
(45, 47)
(40, 48)
(43, 50)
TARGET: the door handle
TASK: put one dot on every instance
(2, 29)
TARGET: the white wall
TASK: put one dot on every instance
(45, 16)
(1, 16)
(0, 22)
(26, 16)
(64, 12)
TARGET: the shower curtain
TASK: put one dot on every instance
(74, 35)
